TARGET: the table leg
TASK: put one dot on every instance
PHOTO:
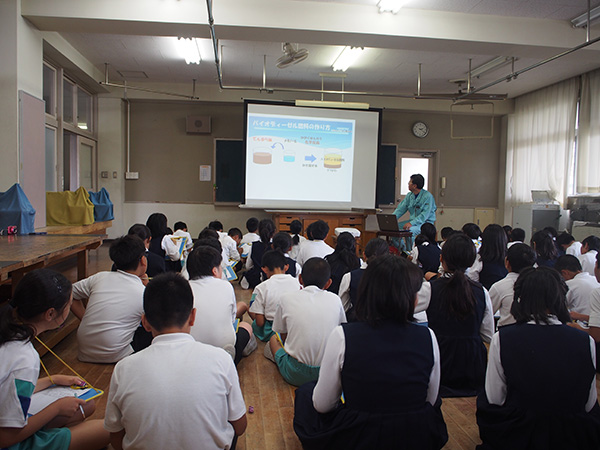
(82, 264)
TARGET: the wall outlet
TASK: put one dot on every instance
(132, 175)
(115, 174)
(104, 174)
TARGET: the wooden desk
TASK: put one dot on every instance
(21, 254)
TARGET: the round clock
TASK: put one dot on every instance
(420, 129)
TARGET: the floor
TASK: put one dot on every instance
(270, 425)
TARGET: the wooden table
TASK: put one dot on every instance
(21, 254)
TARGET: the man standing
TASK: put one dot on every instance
(420, 205)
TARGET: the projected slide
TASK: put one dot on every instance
(301, 158)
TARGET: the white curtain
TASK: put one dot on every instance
(588, 151)
(540, 142)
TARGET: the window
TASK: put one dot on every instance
(49, 89)
(84, 109)
(68, 112)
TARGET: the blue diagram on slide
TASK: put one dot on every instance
(294, 149)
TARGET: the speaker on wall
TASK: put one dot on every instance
(197, 124)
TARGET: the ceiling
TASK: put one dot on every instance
(138, 41)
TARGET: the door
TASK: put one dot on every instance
(411, 162)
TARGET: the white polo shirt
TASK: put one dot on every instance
(588, 261)
(214, 300)
(176, 394)
(308, 317)
(595, 309)
(229, 247)
(112, 315)
(502, 294)
(574, 249)
(268, 294)
(578, 295)
(312, 249)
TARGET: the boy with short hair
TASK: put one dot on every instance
(268, 294)
(177, 393)
(580, 284)
(229, 245)
(215, 300)
(517, 236)
(568, 244)
(114, 308)
(305, 319)
(518, 257)
(316, 246)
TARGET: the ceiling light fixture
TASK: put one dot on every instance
(346, 58)
(189, 50)
(495, 63)
(392, 6)
(581, 21)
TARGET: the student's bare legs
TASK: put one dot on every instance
(242, 308)
(274, 345)
(89, 435)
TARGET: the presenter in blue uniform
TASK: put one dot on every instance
(420, 205)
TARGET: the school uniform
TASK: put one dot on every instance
(296, 248)
(510, 244)
(463, 353)
(338, 270)
(177, 393)
(254, 274)
(580, 289)
(229, 247)
(427, 256)
(473, 271)
(588, 261)
(249, 238)
(265, 299)
(156, 248)
(594, 320)
(18, 376)
(501, 295)
(574, 249)
(491, 272)
(307, 317)
(313, 249)
(156, 264)
(544, 262)
(540, 389)
(215, 303)
(390, 378)
(294, 268)
(112, 315)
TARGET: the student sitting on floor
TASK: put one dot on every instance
(41, 302)
(580, 284)
(178, 393)
(283, 242)
(460, 313)
(229, 245)
(250, 237)
(518, 258)
(181, 231)
(569, 245)
(316, 246)
(297, 238)
(304, 320)
(343, 260)
(544, 246)
(268, 294)
(589, 249)
(517, 236)
(214, 299)
(426, 252)
(388, 368)
(254, 275)
(156, 264)
(114, 309)
(540, 385)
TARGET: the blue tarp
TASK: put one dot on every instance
(15, 209)
(103, 207)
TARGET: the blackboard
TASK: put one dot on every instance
(230, 175)
(230, 171)
(386, 175)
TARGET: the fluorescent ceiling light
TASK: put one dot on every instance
(495, 63)
(189, 50)
(581, 21)
(392, 6)
(326, 104)
(346, 58)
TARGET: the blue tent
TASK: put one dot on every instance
(15, 209)
(103, 207)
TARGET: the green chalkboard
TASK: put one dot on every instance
(386, 175)
(230, 176)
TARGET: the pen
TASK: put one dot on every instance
(81, 409)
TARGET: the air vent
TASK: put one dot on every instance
(132, 74)
(198, 124)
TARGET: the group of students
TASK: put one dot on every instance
(374, 345)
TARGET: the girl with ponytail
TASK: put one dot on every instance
(460, 313)
(41, 302)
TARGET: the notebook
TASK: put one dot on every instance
(387, 222)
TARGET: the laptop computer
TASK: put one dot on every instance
(387, 222)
